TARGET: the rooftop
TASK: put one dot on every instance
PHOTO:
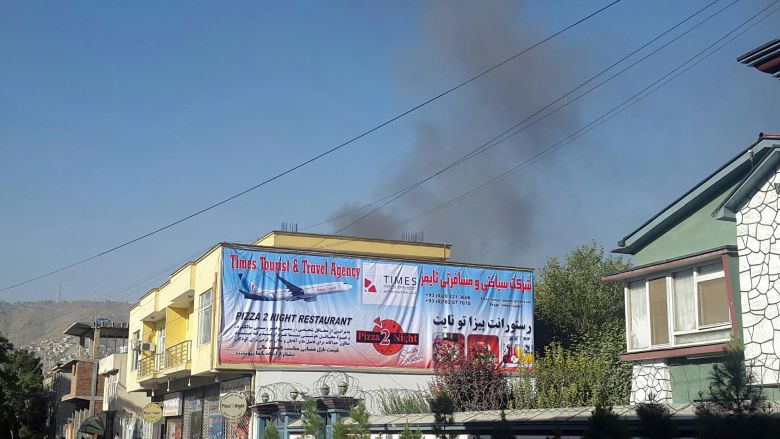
(108, 329)
(765, 58)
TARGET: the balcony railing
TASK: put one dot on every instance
(147, 366)
(177, 356)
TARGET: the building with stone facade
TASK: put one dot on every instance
(707, 272)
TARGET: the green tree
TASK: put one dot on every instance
(313, 424)
(24, 402)
(605, 423)
(503, 429)
(402, 401)
(340, 429)
(271, 432)
(578, 375)
(655, 421)
(408, 433)
(735, 406)
(443, 409)
(359, 429)
(571, 297)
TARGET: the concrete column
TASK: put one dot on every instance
(331, 417)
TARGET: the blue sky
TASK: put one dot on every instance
(118, 118)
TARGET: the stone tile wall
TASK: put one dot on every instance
(650, 382)
(758, 241)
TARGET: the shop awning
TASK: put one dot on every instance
(94, 424)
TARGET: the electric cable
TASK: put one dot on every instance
(316, 157)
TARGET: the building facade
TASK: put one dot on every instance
(705, 274)
(174, 332)
(77, 384)
(124, 409)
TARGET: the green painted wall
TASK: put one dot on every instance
(734, 271)
(698, 232)
(689, 377)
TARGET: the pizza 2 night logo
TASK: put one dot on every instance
(387, 337)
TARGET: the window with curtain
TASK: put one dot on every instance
(659, 314)
(683, 307)
(639, 319)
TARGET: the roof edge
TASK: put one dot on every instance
(628, 245)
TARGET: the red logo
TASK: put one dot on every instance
(387, 337)
(368, 286)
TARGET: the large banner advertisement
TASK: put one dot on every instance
(287, 308)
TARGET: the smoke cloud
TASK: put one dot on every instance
(497, 224)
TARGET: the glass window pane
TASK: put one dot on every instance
(713, 302)
(701, 337)
(659, 315)
(711, 269)
(684, 307)
(639, 323)
(204, 329)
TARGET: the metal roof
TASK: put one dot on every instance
(526, 421)
(107, 329)
(765, 58)
(730, 173)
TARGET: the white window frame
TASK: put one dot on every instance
(136, 355)
(205, 332)
(671, 310)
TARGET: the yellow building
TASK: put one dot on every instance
(174, 330)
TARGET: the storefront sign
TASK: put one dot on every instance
(232, 405)
(152, 412)
(294, 308)
(172, 404)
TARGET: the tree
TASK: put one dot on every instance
(23, 401)
(735, 405)
(271, 432)
(473, 381)
(573, 300)
(313, 424)
(408, 433)
(577, 376)
(359, 429)
(605, 423)
(655, 420)
(442, 408)
(503, 429)
(340, 429)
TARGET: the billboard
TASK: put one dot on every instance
(294, 308)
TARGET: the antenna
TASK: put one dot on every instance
(413, 236)
(290, 227)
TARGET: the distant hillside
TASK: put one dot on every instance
(38, 325)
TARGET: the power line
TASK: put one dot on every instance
(519, 125)
(661, 82)
(318, 156)
(681, 69)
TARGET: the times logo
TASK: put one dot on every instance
(390, 284)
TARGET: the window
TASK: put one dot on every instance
(160, 337)
(712, 297)
(684, 307)
(659, 314)
(136, 349)
(204, 329)
(638, 317)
